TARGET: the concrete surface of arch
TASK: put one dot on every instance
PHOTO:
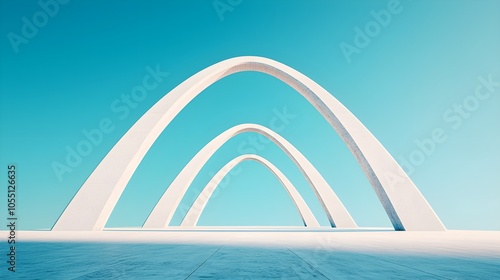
(194, 213)
(404, 204)
(163, 212)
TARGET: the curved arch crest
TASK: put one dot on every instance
(404, 204)
(163, 212)
(194, 212)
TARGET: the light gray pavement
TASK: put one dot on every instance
(258, 254)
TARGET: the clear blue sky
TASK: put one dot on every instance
(409, 78)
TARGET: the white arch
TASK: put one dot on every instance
(404, 204)
(194, 213)
(164, 210)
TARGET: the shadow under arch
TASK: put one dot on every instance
(92, 205)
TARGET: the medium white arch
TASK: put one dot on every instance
(164, 210)
(194, 213)
(404, 204)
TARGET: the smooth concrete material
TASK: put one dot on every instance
(164, 210)
(94, 202)
(194, 213)
(213, 253)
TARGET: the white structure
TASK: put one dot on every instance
(196, 209)
(164, 210)
(92, 205)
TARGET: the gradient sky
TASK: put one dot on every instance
(403, 84)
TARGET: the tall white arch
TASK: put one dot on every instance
(164, 210)
(194, 213)
(91, 207)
